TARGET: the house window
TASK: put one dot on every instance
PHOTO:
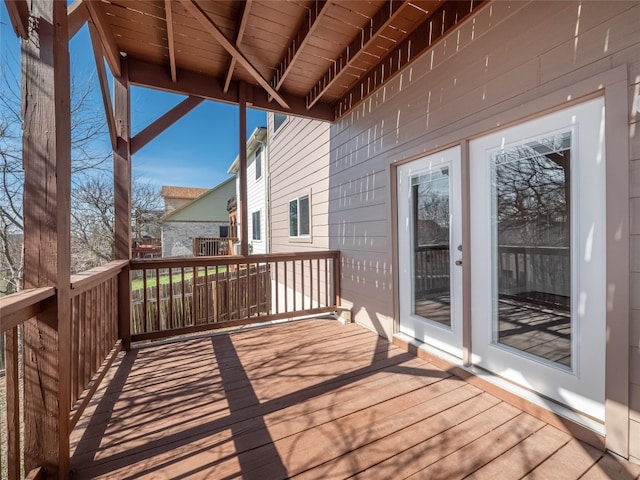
(278, 120)
(255, 217)
(224, 231)
(299, 217)
(258, 156)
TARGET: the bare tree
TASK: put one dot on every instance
(88, 131)
(92, 219)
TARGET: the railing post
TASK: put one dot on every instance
(336, 280)
(47, 198)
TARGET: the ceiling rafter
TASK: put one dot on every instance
(170, 43)
(220, 37)
(19, 15)
(316, 12)
(77, 15)
(434, 28)
(109, 47)
(98, 55)
(242, 25)
(385, 16)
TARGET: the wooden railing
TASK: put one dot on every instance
(212, 246)
(177, 296)
(15, 310)
(94, 330)
(94, 344)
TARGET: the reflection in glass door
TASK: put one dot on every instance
(531, 247)
(431, 263)
(429, 223)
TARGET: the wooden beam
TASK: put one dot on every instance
(76, 17)
(19, 16)
(317, 10)
(242, 25)
(149, 75)
(448, 16)
(162, 123)
(122, 166)
(216, 33)
(109, 47)
(242, 154)
(382, 19)
(122, 198)
(47, 200)
(104, 83)
(170, 42)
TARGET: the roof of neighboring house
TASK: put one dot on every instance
(169, 191)
(259, 136)
(210, 206)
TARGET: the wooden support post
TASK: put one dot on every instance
(47, 200)
(242, 155)
(122, 198)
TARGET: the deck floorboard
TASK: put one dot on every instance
(308, 400)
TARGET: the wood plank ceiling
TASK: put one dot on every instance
(316, 58)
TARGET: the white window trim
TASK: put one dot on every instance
(257, 159)
(260, 240)
(301, 238)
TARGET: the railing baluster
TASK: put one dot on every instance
(13, 403)
(183, 317)
(286, 287)
(318, 298)
(206, 293)
(326, 281)
(171, 321)
(145, 326)
(277, 269)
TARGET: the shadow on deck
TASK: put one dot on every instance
(312, 399)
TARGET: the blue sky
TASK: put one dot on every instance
(196, 151)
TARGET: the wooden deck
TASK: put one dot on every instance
(317, 400)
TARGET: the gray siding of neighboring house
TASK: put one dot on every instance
(509, 61)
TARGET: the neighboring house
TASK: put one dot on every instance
(177, 197)
(204, 216)
(257, 188)
(484, 130)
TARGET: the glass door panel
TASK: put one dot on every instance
(531, 192)
(431, 234)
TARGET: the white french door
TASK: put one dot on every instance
(429, 224)
(538, 255)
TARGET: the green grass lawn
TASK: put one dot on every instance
(137, 284)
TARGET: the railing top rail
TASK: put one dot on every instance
(20, 306)
(81, 282)
(176, 262)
